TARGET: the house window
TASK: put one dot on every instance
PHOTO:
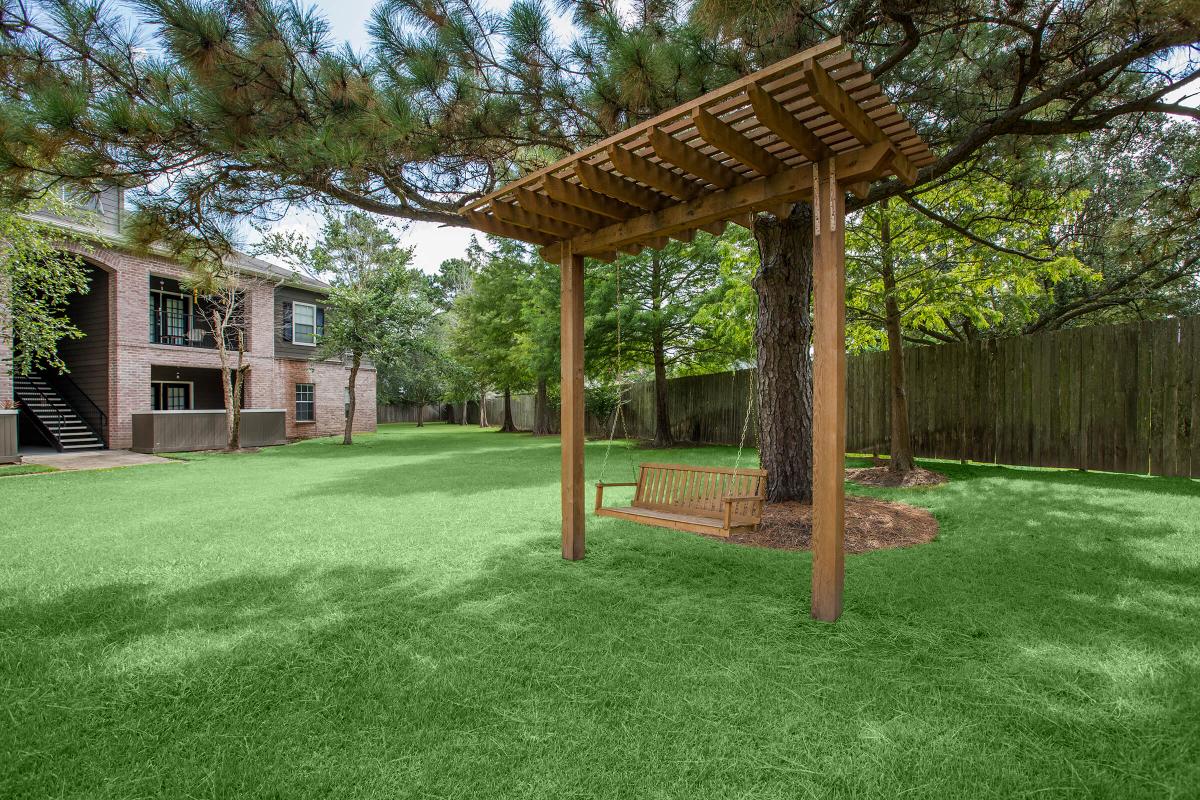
(305, 402)
(304, 324)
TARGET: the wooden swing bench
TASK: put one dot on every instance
(709, 500)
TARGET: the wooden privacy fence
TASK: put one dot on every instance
(433, 412)
(1123, 398)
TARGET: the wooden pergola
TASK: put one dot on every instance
(808, 128)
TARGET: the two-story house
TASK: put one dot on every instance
(148, 346)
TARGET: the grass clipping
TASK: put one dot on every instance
(870, 525)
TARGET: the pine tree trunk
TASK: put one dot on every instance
(662, 409)
(782, 336)
(508, 426)
(541, 409)
(901, 437)
(348, 436)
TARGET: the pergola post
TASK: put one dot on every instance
(829, 391)
(572, 420)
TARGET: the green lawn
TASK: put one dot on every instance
(7, 470)
(393, 620)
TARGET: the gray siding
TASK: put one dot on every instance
(294, 295)
(8, 437)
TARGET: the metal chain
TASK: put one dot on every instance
(616, 377)
(745, 426)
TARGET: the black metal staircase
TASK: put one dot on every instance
(57, 419)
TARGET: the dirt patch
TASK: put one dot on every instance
(883, 476)
(870, 525)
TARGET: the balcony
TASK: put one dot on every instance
(184, 329)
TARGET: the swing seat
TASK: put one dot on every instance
(715, 501)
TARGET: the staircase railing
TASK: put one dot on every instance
(81, 402)
(51, 432)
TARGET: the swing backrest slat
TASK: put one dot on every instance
(699, 490)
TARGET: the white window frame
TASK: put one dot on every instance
(296, 403)
(295, 317)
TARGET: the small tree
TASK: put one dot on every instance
(37, 279)
(376, 307)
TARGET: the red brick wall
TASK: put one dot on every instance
(271, 383)
(329, 380)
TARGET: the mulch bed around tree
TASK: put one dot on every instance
(870, 525)
(883, 476)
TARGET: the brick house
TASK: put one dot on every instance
(148, 347)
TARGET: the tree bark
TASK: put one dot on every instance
(782, 336)
(420, 415)
(901, 437)
(541, 409)
(483, 408)
(466, 406)
(348, 436)
(507, 426)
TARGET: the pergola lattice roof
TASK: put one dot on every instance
(749, 146)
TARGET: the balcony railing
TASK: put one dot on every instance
(186, 330)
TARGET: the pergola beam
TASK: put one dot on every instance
(787, 127)
(783, 187)
(847, 113)
(572, 215)
(605, 182)
(725, 137)
(482, 222)
(508, 212)
(584, 198)
(658, 177)
(692, 161)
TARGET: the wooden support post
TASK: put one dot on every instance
(829, 391)
(572, 403)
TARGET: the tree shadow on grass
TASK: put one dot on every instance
(662, 660)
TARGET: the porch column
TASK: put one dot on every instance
(571, 397)
(829, 392)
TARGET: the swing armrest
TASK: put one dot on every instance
(600, 485)
(728, 501)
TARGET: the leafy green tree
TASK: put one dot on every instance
(38, 276)
(419, 376)
(539, 339)
(659, 295)
(488, 337)
(911, 275)
(378, 307)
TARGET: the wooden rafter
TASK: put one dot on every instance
(510, 212)
(586, 199)
(783, 124)
(654, 175)
(724, 136)
(692, 161)
(838, 103)
(605, 182)
(541, 204)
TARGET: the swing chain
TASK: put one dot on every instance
(618, 411)
(745, 426)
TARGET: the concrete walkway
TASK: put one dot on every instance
(93, 459)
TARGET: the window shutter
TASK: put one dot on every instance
(320, 322)
(287, 320)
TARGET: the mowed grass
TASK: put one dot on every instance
(393, 620)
